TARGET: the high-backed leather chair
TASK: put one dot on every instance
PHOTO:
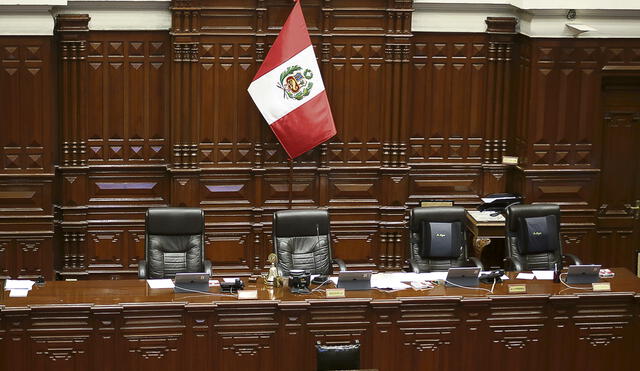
(174, 242)
(533, 238)
(302, 240)
(338, 357)
(426, 226)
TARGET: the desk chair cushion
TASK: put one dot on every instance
(302, 240)
(441, 240)
(538, 234)
(338, 357)
(169, 255)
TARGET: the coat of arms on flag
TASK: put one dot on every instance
(289, 92)
(295, 83)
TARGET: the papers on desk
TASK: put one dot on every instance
(18, 288)
(18, 284)
(18, 293)
(543, 275)
(396, 280)
(387, 281)
(525, 276)
(486, 216)
(161, 284)
(230, 279)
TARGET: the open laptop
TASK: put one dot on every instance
(354, 280)
(587, 273)
(191, 282)
(463, 276)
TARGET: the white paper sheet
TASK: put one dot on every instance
(18, 293)
(230, 279)
(543, 275)
(525, 276)
(160, 284)
(387, 281)
(18, 284)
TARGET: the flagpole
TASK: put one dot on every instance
(290, 183)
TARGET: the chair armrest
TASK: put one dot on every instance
(207, 267)
(512, 264)
(573, 258)
(476, 262)
(341, 265)
(415, 267)
(142, 269)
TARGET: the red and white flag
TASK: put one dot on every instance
(289, 92)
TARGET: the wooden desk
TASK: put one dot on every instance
(124, 325)
(482, 233)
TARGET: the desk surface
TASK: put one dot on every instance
(105, 293)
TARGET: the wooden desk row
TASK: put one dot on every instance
(124, 325)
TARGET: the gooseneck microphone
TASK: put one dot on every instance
(321, 278)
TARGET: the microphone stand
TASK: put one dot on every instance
(320, 279)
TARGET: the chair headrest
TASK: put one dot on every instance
(447, 214)
(301, 222)
(175, 221)
(515, 212)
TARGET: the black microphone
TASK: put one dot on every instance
(320, 279)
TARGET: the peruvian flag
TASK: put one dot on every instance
(289, 92)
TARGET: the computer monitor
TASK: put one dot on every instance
(191, 282)
(586, 273)
(354, 280)
(463, 276)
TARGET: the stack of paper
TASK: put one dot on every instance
(19, 288)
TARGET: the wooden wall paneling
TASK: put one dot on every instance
(450, 81)
(244, 338)
(26, 155)
(151, 337)
(429, 332)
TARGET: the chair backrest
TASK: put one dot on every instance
(174, 241)
(533, 236)
(338, 357)
(302, 240)
(437, 237)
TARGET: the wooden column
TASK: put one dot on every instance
(501, 31)
(394, 171)
(71, 30)
(185, 93)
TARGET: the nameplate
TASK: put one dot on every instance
(517, 289)
(510, 160)
(247, 294)
(601, 286)
(335, 293)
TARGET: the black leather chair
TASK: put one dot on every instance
(427, 257)
(174, 242)
(338, 357)
(302, 240)
(533, 238)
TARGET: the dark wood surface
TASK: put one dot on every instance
(97, 126)
(124, 325)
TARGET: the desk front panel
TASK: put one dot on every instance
(124, 325)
